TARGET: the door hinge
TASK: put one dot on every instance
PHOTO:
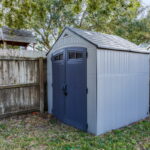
(86, 126)
(86, 54)
(86, 90)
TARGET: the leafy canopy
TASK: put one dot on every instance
(47, 18)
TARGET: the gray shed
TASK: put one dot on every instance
(97, 82)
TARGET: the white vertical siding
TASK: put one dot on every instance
(122, 88)
(72, 41)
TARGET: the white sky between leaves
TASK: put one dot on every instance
(146, 2)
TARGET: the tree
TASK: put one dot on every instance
(136, 30)
(47, 18)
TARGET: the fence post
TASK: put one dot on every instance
(41, 83)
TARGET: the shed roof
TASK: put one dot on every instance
(16, 36)
(108, 41)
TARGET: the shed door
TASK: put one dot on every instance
(58, 74)
(72, 96)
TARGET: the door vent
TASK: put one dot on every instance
(65, 35)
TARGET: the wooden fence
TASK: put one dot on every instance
(21, 85)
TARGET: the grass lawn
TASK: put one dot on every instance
(39, 132)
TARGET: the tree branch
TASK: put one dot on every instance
(82, 18)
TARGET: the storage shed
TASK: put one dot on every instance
(97, 82)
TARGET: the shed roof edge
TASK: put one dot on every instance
(97, 46)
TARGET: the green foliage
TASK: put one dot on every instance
(135, 30)
(2, 126)
(47, 18)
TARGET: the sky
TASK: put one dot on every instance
(146, 2)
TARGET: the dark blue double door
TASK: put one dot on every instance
(69, 67)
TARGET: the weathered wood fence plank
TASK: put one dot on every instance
(21, 85)
(41, 81)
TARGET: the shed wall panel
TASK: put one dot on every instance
(122, 88)
(72, 40)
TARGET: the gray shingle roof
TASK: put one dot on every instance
(107, 41)
(14, 35)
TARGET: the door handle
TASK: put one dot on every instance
(64, 88)
(65, 93)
